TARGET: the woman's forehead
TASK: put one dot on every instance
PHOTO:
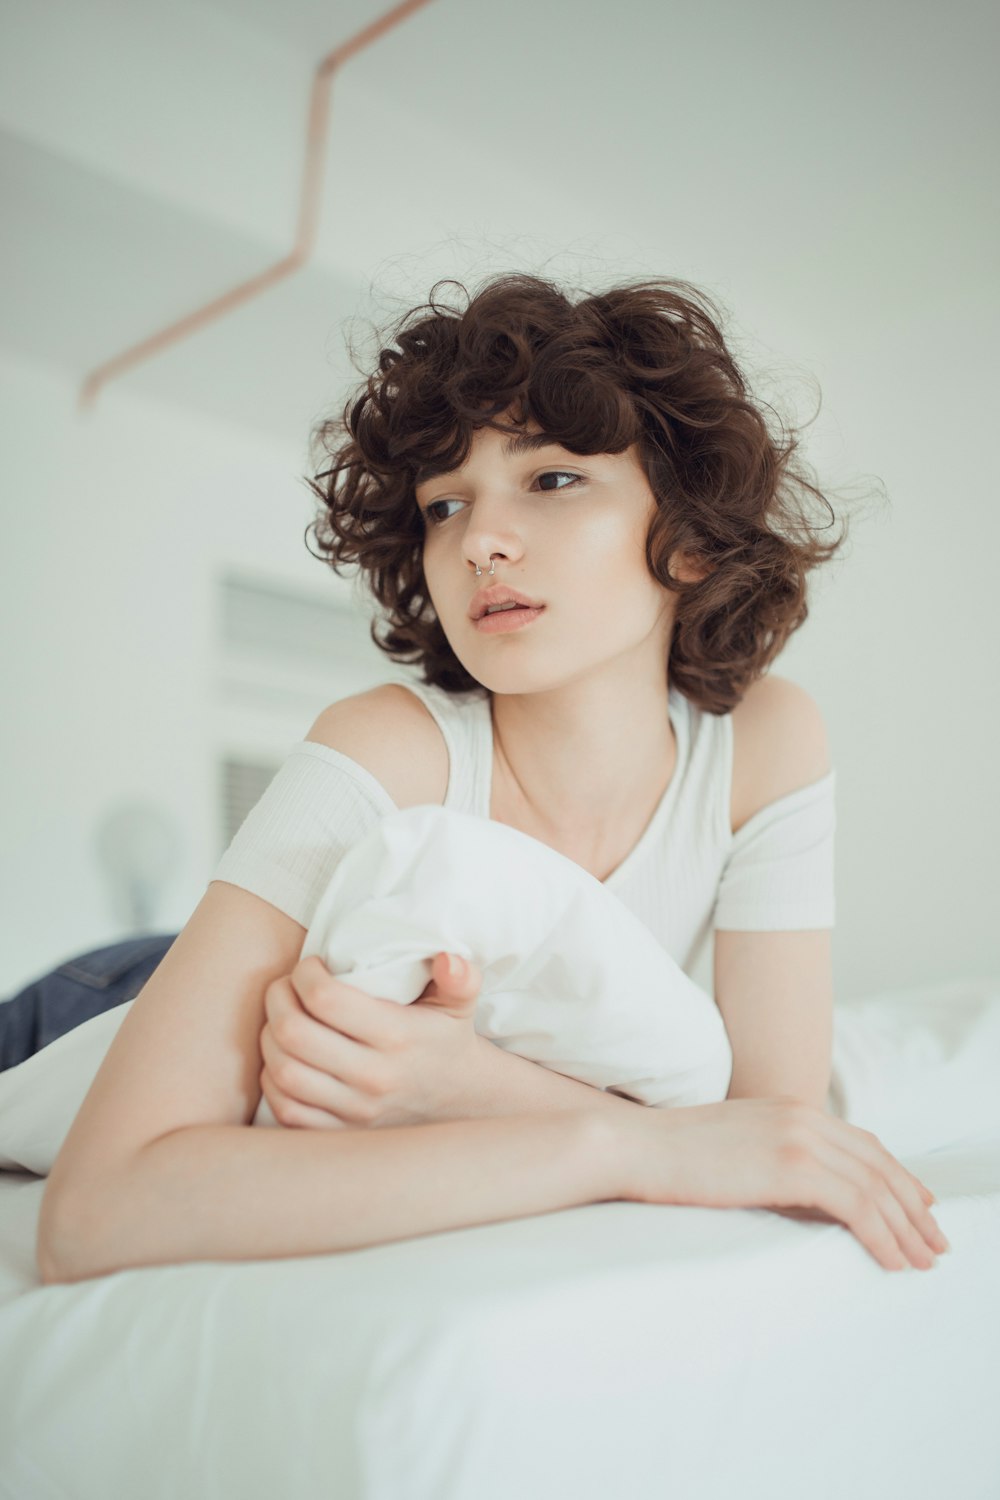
(511, 445)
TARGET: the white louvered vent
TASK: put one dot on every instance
(308, 631)
(283, 653)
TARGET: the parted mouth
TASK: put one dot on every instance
(484, 599)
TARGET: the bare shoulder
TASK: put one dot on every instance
(389, 732)
(780, 745)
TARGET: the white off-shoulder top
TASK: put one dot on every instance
(688, 873)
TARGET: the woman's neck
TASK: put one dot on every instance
(582, 760)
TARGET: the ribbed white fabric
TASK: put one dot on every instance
(687, 874)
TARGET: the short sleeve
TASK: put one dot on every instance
(779, 871)
(318, 804)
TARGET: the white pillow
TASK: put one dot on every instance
(571, 978)
(40, 1097)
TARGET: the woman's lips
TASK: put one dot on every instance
(506, 620)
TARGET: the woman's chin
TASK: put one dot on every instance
(511, 678)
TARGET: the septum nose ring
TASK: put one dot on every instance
(493, 564)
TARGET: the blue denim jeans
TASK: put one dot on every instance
(80, 988)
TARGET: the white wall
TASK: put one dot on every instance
(122, 528)
(826, 175)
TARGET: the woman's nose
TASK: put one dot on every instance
(487, 537)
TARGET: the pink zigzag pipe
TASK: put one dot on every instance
(306, 235)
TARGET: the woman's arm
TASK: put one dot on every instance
(775, 993)
(231, 1192)
(161, 1165)
(234, 1192)
(774, 986)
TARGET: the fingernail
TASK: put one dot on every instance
(456, 966)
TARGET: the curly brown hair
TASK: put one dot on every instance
(643, 363)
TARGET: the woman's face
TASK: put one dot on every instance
(566, 530)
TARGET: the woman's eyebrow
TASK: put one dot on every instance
(521, 442)
(527, 442)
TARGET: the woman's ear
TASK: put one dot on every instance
(689, 567)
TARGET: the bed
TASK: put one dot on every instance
(616, 1348)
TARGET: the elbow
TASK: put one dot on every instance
(50, 1272)
(61, 1262)
(64, 1243)
(52, 1242)
(49, 1265)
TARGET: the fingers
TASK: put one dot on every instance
(460, 976)
(293, 1043)
(864, 1185)
(302, 1073)
(292, 1112)
(368, 1018)
(457, 985)
(302, 1096)
(921, 1187)
(882, 1206)
(907, 1189)
(331, 1002)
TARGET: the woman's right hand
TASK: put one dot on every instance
(786, 1155)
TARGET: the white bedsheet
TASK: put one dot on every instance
(613, 1350)
(617, 1349)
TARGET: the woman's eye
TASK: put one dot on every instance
(549, 474)
(558, 474)
(429, 511)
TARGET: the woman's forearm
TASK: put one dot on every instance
(504, 1083)
(237, 1192)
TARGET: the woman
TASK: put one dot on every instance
(604, 462)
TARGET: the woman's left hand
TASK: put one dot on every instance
(335, 1056)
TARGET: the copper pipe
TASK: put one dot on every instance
(308, 215)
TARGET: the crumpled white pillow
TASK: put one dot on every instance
(571, 978)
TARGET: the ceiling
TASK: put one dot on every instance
(150, 160)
